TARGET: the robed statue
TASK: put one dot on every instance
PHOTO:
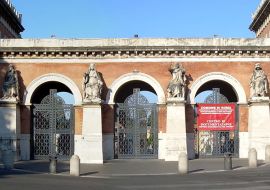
(10, 86)
(92, 85)
(258, 82)
(177, 85)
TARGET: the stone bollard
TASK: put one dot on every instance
(252, 158)
(53, 163)
(75, 165)
(183, 163)
(227, 161)
(267, 154)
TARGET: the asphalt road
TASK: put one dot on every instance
(241, 179)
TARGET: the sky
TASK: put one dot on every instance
(147, 18)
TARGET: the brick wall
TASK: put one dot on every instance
(242, 71)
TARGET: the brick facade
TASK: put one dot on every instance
(111, 71)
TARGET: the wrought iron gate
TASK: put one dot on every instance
(136, 132)
(217, 143)
(53, 128)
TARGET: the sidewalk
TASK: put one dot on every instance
(133, 167)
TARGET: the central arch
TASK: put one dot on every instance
(136, 118)
(135, 76)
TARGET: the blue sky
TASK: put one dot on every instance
(147, 18)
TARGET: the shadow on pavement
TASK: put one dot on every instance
(4, 173)
(125, 167)
(41, 166)
(194, 171)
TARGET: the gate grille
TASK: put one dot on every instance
(53, 128)
(217, 143)
(136, 133)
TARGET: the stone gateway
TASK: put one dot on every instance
(135, 98)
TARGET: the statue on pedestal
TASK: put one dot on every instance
(10, 86)
(177, 85)
(92, 85)
(258, 82)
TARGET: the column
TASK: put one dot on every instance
(259, 124)
(176, 129)
(89, 146)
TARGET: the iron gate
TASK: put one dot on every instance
(53, 128)
(136, 132)
(217, 143)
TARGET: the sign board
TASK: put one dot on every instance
(216, 117)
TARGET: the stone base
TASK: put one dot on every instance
(259, 125)
(89, 149)
(10, 127)
(176, 140)
(175, 144)
(89, 146)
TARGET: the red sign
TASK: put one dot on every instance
(216, 117)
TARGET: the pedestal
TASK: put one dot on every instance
(176, 129)
(88, 146)
(10, 127)
(259, 125)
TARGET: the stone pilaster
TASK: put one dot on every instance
(176, 129)
(89, 145)
(259, 124)
(10, 127)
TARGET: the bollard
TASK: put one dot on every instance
(267, 154)
(183, 163)
(228, 161)
(75, 165)
(252, 158)
(53, 163)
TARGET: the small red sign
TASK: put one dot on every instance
(215, 117)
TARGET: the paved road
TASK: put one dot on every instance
(241, 179)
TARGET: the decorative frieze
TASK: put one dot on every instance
(94, 54)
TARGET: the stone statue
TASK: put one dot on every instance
(10, 86)
(92, 85)
(177, 85)
(258, 82)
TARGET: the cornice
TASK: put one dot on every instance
(133, 48)
(128, 52)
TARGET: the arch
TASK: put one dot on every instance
(237, 87)
(132, 77)
(52, 77)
